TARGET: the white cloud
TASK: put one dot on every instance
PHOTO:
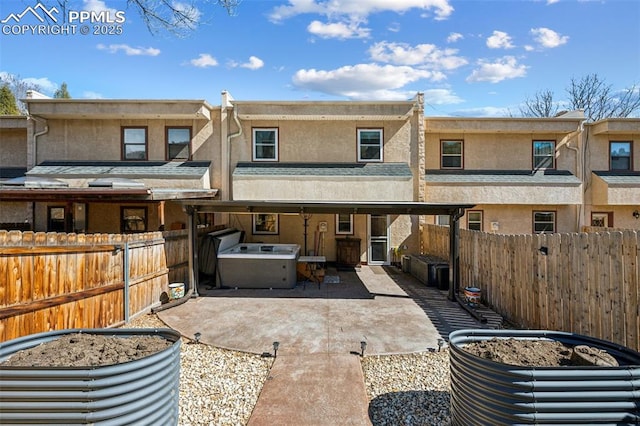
(203, 61)
(552, 1)
(130, 51)
(441, 97)
(453, 37)
(363, 81)
(487, 111)
(253, 64)
(494, 72)
(339, 30)
(499, 40)
(425, 55)
(97, 6)
(394, 27)
(190, 11)
(47, 86)
(548, 38)
(361, 8)
(92, 95)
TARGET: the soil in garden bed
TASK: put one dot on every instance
(88, 350)
(539, 353)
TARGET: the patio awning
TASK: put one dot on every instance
(344, 207)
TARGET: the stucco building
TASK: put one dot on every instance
(110, 166)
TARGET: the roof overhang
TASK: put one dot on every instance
(102, 194)
(325, 111)
(102, 109)
(324, 207)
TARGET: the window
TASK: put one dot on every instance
(450, 154)
(265, 223)
(134, 143)
(544, 222)
(178, 143)
(602, 219)
(265, 144)
(474, 220)
(56, 219)
(344, 224)
(443, 219)
(544, 155)
(620, 156)
(370, 145)
(133, 219)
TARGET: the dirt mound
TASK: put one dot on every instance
(88, 350)
(539, 353)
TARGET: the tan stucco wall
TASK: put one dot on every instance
(15, 212)
(622, 215)
(316, 188)
(498, 151)
(597, 149)
(503, 194)
(13, 147)
(517, 219)
(403, 230)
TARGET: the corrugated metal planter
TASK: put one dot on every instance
(144, 391)
(491, 393)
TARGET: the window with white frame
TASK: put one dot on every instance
(544, 222)
(265, 223)
(620, 155)
(370, 145)
(544, 155)
(134, 143)
(344, 224)
(450, 154)
(443, 219)
(178, 143)
(474, 220)
(265, 144)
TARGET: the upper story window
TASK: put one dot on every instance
(369, 145)
(451, 154)
(620, 155)
(544, 155)
(178, 143)
(134, 143)
(265, 144)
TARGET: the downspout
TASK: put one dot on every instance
(579, 169)
(36, 135)
(229, 137)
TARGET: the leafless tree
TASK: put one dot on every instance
(19, 88)
(590, 93)
(541, 105)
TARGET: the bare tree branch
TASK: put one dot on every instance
(541, 105)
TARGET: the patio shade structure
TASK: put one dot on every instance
(455, 211)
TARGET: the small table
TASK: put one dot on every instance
(311, 268)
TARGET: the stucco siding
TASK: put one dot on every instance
(503, 194)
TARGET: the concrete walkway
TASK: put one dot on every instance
(316, 378)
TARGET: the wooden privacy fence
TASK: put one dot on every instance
(51, 281)
(585, 283)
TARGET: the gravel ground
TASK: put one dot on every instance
(221, 387)
(408, 389)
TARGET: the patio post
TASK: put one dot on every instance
(193, 249)
(454, 253)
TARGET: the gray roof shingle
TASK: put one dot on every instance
(501, 177)
(619, 178)
(133, 169)
(396, 170)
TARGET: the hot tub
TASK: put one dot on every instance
(255, 265)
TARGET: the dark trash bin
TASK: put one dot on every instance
(439, 275)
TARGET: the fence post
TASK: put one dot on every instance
(125, 267)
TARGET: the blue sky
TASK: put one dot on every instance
(470, 58)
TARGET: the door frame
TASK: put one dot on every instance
(372, 239)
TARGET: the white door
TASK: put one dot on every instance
(378, 250)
